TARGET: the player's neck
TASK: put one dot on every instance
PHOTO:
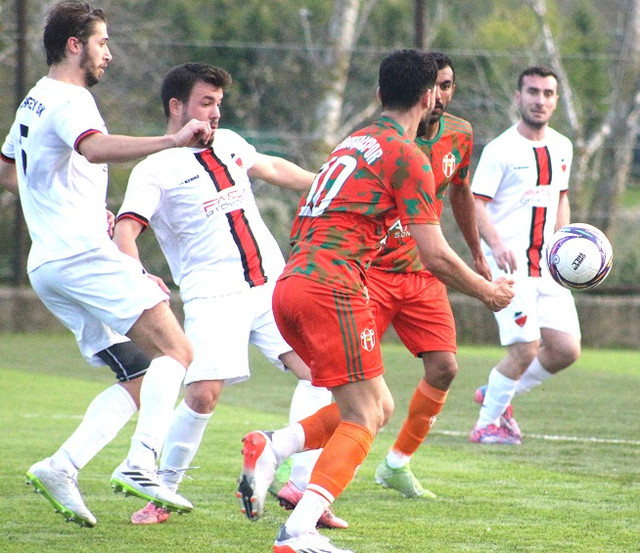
(408, 120)
(67, 73)
(535, 134)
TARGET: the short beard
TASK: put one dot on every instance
(537, 125)
(90, 77)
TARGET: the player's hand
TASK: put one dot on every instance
(482, 267)
(160, 283)
(194, 133)
(501, 294)
(505, 258)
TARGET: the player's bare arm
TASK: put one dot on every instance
(125, 234)
(281, 172)
(114, 148)
(564, 211)
(8, 176)
(444, 263)
(464, 212)
(505, 258)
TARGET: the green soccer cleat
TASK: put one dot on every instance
(402, 480)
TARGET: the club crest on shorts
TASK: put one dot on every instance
(520, 318)
(368, 339)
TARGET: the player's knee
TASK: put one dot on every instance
(203, 396)
(126, 359)
(387, 407)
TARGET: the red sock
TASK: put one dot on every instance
(425, 404)
(339, 460)
(320, 426)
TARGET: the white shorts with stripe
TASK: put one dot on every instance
(98, 295)
(221, 329)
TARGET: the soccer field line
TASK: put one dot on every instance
(456, 433)
(552, 438)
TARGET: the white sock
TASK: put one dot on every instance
(397, 460)
(287, 441)
(535, 375)
(500, 391)
(306, 400)
(182, 443)
(106, 415)
(158, 396)
(304, 517)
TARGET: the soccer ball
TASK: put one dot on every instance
(579, 256)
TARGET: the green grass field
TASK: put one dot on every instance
(573, 485)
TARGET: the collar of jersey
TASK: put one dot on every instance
(385, 120)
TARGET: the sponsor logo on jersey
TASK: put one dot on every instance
(368, 339)
(225, 201)
(449, 165)
(540, 196)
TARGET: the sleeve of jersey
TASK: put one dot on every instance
(142, 197)
(8, 151)
(462, 174)
(488, 175)
(416, 197)
(78, 118)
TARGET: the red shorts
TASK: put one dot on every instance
(333, 332)
(417, 306)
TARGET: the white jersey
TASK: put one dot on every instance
(63, 196)
(201, 207)
(522, 181)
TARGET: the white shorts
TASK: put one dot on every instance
(98, 295)
(539, 302)
(221, 330)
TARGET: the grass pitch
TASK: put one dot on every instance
(572, 486)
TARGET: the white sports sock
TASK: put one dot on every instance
(106, 415)
(500, 391)
(306, 400)
(287, 441)
(304, 517)
(535, 375)
(397, 460)
(182, 443)
(158, 396)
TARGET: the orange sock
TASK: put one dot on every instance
(425, 404)
(320, 426)
(339, 460)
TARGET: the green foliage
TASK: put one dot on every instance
(572, 485)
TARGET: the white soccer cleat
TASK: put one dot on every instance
(61, 490)
(311, 542)
(258, 470)
(147, 485)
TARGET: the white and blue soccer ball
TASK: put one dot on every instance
(579, 256)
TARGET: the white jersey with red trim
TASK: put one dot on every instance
(522, 180)
(63, 196)
(200, 204)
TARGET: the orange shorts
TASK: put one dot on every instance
(417, 306)
(332, 331)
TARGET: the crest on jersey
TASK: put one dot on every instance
(449, 165)
(368, 339)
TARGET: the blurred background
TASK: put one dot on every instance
(305, 75)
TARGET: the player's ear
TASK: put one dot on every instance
(175, 107)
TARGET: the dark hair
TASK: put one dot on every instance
(404, 77)
(442, 61)
(179, 81)
(538, 70)
(68, 19)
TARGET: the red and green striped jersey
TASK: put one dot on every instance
(450, 153)
(341, 222)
